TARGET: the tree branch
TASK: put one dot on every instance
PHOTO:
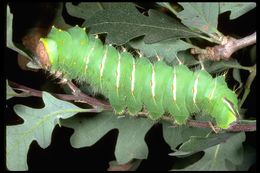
(226, 49)
(233, 128)
(77, 98)
(81, 97)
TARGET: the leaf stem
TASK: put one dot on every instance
(249, 81)
(210, 39)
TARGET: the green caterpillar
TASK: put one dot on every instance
(131, 83)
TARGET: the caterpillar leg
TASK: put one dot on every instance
(63, 81)
(201, 64)
(58, 74)
(214, 128)
(118, 103)
(73, 88)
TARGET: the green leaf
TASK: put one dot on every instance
(177, 135)
(85, 10)
(59, 20)
(253, 54)
(38, 125)
(215, 157)
(187, 58)
(125, 23)
(166, 49)
(249, 158)
(236, 9)
(9, 35)
(216, 67)
(200, 16)
(130, 142)
(200, 143)
(80, 9)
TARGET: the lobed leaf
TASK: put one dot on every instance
(200, 16)
(200, 143)
(177, 135)
(215, 157)
(38, 125)
(156, 26)
(130, 142)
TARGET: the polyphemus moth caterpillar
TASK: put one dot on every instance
(132, 84)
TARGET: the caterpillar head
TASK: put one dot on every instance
(46, 52)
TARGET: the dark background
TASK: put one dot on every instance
(60, 155)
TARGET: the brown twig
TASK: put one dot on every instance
(80, 98)
(205, 124)
(225, 50)
(233, 128)
(95, 102)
